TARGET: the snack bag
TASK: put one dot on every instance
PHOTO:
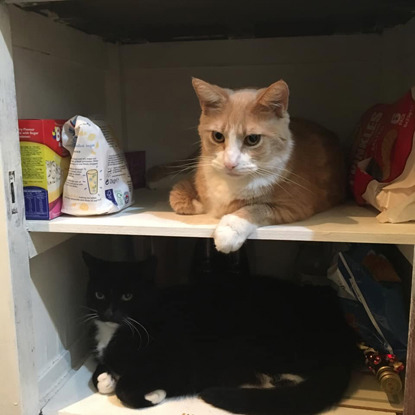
(383, 160)
(98, 180)
(44, 166)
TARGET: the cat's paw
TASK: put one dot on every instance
(198, 208)
(106, 383)
(156, 396)
(231, 233)
(183, 199)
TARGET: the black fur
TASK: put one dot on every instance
(211, 337)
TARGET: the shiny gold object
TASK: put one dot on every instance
(389, 380)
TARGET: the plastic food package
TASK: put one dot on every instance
(371, 296)
(98, 180)
(383, 165)
(44, 166)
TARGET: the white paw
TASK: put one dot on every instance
(156, 396)
(231, 233)
(106, 383)
(290, 377)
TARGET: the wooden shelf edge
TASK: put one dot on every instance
(151, 216)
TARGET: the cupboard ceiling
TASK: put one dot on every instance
(138, 21)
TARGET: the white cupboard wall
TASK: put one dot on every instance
(58, 287)
(59, 71)
(145, 92)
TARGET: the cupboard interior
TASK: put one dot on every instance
(62, 343)
(144, 91)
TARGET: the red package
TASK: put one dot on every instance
(383, 160)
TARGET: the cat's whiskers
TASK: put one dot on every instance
(190, 159)
(217, 165)
(133, 329)
(193, 159)
(175, 173)
(284, 178)
(186, 168)
(88, 317)
(269, 172)
(125, 321)
(263, 189)
(182, 167)
(191, 162)
(258, 173)
(92, 314)
(287, 180)
(88, 308)
(140, 325)
(189, 169)
(287, 174)
(291, 173)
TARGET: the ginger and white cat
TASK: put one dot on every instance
(257, 166)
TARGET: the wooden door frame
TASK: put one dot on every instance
(19, 390)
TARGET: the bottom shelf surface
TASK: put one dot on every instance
(77, 397)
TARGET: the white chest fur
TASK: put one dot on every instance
(105, 331)
(222, 190)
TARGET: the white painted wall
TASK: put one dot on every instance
(60, 72)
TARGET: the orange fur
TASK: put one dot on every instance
(295, 170)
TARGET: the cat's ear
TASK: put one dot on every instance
(90, 261)
(211, 97)
(273, 99)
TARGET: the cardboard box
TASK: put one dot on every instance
(45, 165)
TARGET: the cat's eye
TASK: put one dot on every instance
(99, 295)
(126, 297)
(252, 139)
(218, 137)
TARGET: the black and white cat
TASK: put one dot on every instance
(250, 346)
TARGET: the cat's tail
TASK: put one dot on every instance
(311, 396)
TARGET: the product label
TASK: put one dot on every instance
(98, 180)
(36, 203)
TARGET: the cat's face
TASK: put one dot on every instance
(119, 291)
(244, 133)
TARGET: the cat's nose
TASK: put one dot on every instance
(108, 314)
(230, 164)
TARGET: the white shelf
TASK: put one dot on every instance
(77, 398)
(151, 215)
